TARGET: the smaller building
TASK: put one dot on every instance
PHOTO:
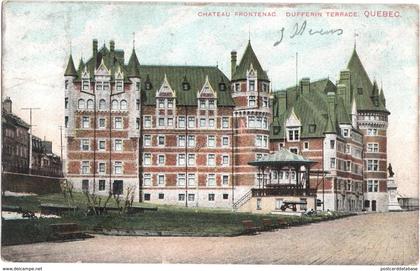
(44, 161)
(292, 195)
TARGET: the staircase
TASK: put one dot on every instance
(244, 199)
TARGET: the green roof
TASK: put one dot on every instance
(281, 157)
(364, 91)
(195, 76)
(70, 69)
(249, 58)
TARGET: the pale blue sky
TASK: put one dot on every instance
(37, 38)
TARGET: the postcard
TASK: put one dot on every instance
(209, 133)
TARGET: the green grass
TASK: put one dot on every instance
(174, 219)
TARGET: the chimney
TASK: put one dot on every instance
(232, 64)
(282, 102)
(112, 45)
(345, 80)
(304, 85)
(7, 105)
(331, 105)
(95, 47)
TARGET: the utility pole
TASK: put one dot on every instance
(61, 147)
(30, 134)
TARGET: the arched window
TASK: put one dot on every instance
(89, 104)
(114, 105)
(123, 105)
(81, 104)
(102, 104)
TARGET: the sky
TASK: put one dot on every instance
(39, 36)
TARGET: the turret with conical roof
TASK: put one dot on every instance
(70, 70)
(248, 59)
(133, 65)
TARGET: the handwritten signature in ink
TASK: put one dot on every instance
(301, 29)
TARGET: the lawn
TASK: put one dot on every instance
(169, 218)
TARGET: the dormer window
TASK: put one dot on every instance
(148, 85)
(99, 85)
(346, 132)
(85, 85)
(293, 134)
(222, 86)
(237, 87)
(212, 104)
(185, 86)
(360, 91)
(312, 128)
(251, 85)
(119, 85)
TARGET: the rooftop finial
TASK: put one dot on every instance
(355, 36)
(249, 33)
(70, 47)
(134, 39)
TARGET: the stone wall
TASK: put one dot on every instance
(29, 184)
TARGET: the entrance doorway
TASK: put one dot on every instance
(373, 205)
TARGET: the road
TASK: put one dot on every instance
(378, 239)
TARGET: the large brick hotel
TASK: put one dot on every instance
(185, 134)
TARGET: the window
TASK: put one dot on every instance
(85, 85)
(161, 141)
(346, 132)
(211, 160)
(265, 101)
(161, 160)
(118, 167)
(114, 105)
(137, 104)
(123, 105)
(211, 141)
(225, 160)
(169, 122)
(147, 122)
(332, 144)
(348, 165)
(258, 141)
(211, 180)
(294, 150)
(211, 197)
(118, 145)
(147, 140)
(161, 122)
(101, 168)
(225, 141)
(161, 179)
(101, 123)
(101, 185)
(170, 103)
(180, 180)
(372, 132)
(191, 159)
(191, 141)
(348, 148)
(161, 196)
(181, 141)
(117, 187)
(137, 123)
(372, 165)
(85, 122)
(225, 196)
(191, 122)
(98, 85)
(359, 91)
(89, 104)
(211, 123)
(258, 204)
(237, 87)
(222, 86)
(191, 179)
(84, 144)
(251, 101)
(251, 122)
(146, 196)
(161, 103)
(191, 197)
(251, 85)
(293, 134)
(306, 145)
(202, 122)
(212, 104)
(265, 123)
(373, 147)
(118, 123)
(147, 159)
(181, 159)
(202, 104)
(66, 103)
(373, 185)
(81, 104)
(181, 122)
(85, 167)
(225, 122)
(332, 162)
(225, 180)
(147, 179)
(181, 197)
(119, 85)
(85, 185)
(66, 121)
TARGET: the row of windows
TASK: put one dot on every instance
(101, 145)
(252, 101)
(89, 104)
(181, 179)
(101, 85)
(371, 165)
(349, 185)
(257, 122)
(117, 167)
(181, 197)
(118, 122)
(252, 86)
(181, 159)
(182, 122)
(181, 141)
(373, 117)
(16, 150)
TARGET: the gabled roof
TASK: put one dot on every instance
(70, 69)
(249, 58)
(360, 80)
(195, 76)
(14, 119)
